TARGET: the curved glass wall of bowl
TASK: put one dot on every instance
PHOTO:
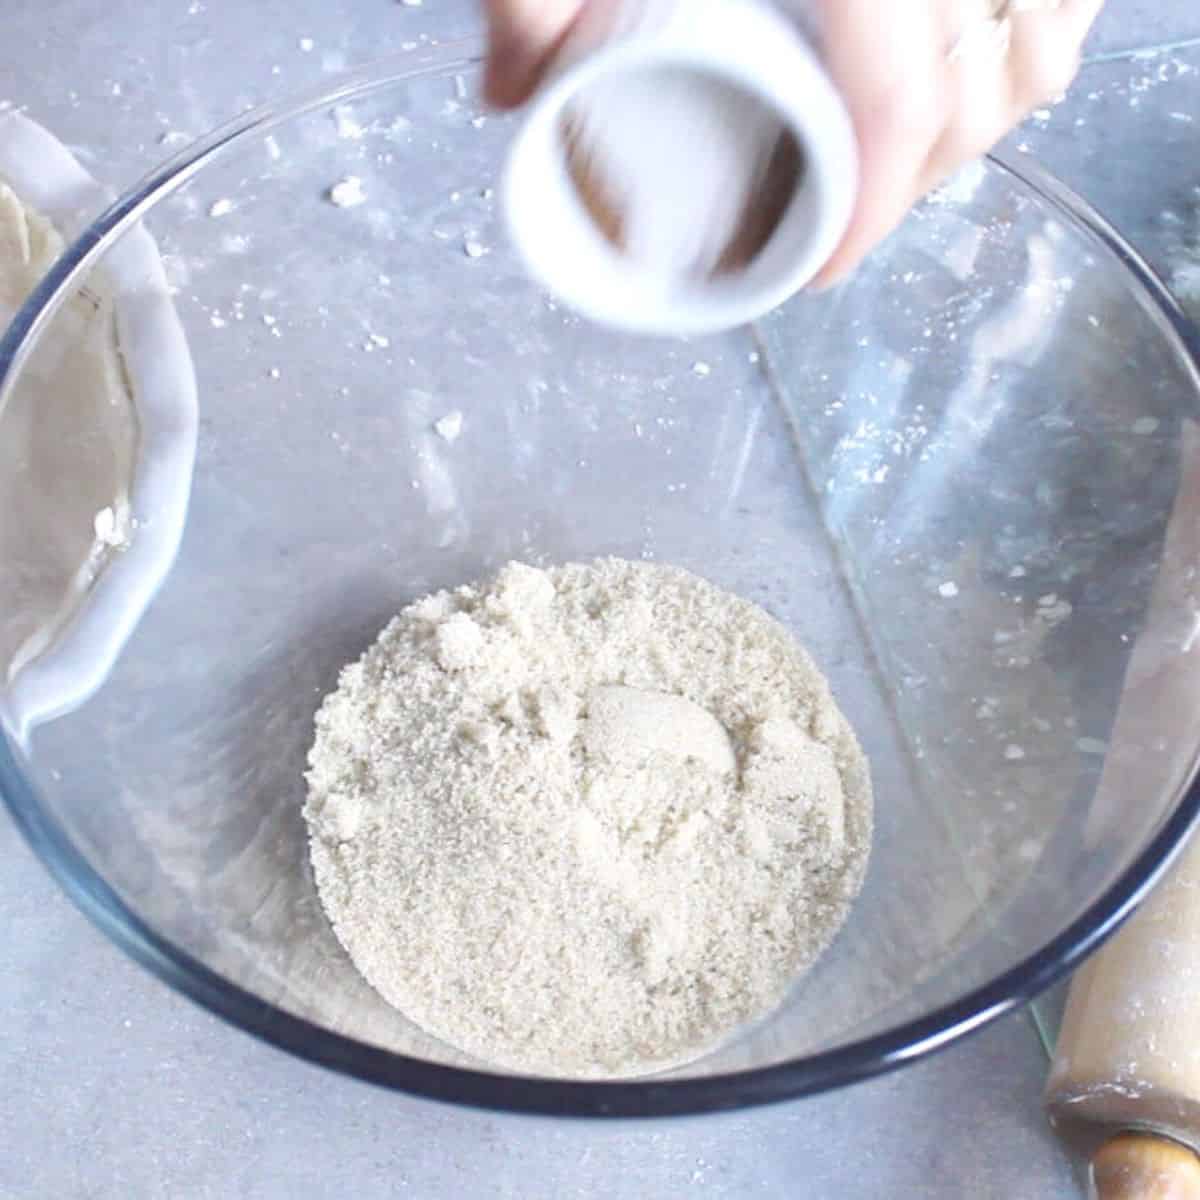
(1147, 95)
(951, 478)
(1001, 489)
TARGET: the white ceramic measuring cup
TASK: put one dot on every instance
(748, 45)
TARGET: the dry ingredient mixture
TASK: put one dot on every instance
(585, 821)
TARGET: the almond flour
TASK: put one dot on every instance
(585, 821)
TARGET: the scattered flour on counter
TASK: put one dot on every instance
(346, 124)
(1181, 229)
(449, 428)
(585, 821)
(1185, 275)
(347, 193)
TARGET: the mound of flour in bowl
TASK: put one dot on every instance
(585, 821)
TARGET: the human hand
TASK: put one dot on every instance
(523, 36)
(933, 84)
(930, 84)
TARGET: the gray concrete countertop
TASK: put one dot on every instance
(116, 1087)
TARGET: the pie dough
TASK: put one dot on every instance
(68, 437)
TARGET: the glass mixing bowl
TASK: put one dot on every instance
(951, 477)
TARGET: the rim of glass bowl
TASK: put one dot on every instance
(801, 1077)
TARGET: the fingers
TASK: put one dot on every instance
(921, 113)
(982, 108)
(523, 37)
(887, 189)
(1046, 43)
(884, 60)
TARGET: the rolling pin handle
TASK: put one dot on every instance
(1145, 1166)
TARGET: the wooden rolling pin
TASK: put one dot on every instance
(1125, 1085)
(1124, 1088)
(1143, 1166)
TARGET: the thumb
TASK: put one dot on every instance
(524, 35)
